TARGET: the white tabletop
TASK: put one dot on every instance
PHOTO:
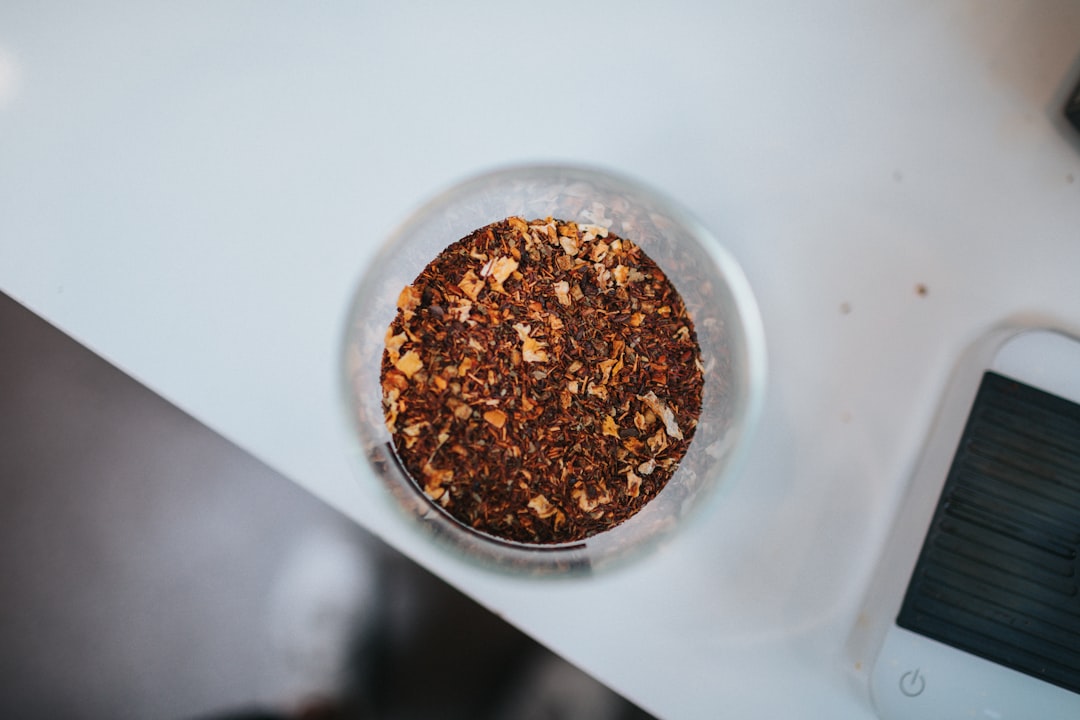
(191, 190)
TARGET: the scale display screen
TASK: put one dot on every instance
(998, 574)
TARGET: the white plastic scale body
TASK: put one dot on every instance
(978, 588)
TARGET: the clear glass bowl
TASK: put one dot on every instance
(713, 287)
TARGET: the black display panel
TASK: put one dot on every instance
(998, 573)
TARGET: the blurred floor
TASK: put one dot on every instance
(150, 569)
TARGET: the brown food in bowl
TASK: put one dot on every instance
(541, 380)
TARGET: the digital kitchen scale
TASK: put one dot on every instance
(988, 623)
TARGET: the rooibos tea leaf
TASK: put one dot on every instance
(541, 380)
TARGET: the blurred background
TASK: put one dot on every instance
(151, 569)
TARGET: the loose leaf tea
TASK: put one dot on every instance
(541, 380)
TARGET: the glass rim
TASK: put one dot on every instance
(549, 558)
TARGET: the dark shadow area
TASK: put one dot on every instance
(153, 569)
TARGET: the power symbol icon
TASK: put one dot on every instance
(912, 683)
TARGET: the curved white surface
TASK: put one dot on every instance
(191, 191)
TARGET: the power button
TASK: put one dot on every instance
(912, 683)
